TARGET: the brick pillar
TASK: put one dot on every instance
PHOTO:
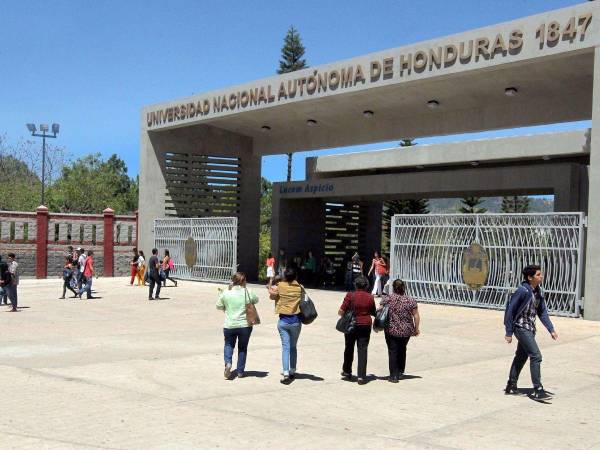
(41, 251)
(109, 245)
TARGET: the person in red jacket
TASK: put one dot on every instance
(363, 305)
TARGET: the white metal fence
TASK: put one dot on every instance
(427, 251)
(215, 246)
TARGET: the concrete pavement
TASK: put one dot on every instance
(122, 372)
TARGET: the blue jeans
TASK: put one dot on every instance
(527, 348)
(242, 335)
(289, 334)
(87, 287)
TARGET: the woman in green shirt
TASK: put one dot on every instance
(233, 301)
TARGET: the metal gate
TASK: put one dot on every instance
(203, 249)
(427, 253)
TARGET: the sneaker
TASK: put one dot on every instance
(346, 376)
(540, 394)
(361, 381)
(286, 379)
(511, 389)
(227, 372)
(241, 375)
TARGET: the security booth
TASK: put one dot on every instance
(200, 155)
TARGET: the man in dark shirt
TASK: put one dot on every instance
(153, 274)
(521, 311)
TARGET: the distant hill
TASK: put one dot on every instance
(492, 204)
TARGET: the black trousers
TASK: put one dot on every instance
(361, 337)
(154, 281)
(396, 353)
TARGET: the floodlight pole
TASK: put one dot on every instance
(43, 135)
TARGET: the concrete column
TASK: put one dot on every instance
(298, 226)
(152, 191)
(108, 241)
(567, 191)
(592, 266)
(249, 216)
(369, 239)
(41, 253)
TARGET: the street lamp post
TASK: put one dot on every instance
(44, 134)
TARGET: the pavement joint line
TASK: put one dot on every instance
(531, 404)
(89, 382)
(60, 441)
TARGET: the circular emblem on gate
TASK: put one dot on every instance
(475, 266)
(191, 253)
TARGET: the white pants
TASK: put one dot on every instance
(377, 285)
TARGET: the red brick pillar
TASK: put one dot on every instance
(41, 242)
(109, 245)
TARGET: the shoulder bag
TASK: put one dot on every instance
(308, 312)
(382, 318)
(251, 312)
(347, 322)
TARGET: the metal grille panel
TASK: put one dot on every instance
(427, 250)
(202, 185)
(216, 246)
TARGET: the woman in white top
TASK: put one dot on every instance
(141, 268)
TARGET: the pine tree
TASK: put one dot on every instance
(515, 204)
(291, 60)
(292, 52)
(470, 205)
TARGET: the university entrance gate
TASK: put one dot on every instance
(203, 249)
(434, 254)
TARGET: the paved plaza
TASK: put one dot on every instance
(121, 372)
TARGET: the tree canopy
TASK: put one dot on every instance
(292, 52)
(90, 184)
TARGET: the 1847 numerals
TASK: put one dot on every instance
(549, 34)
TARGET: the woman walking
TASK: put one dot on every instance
(270, 267)
(379, 265)
(357, 267)
(141, 268)
(404, 321)
(233, 301)
(68, 277)
(134, 265)
(287, 296)
(167, 265)
(363, 305)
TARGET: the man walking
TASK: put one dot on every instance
(11, 289)
(5, 280)
(88, 275)
(153, 275)
(80, 267)
(519, 319)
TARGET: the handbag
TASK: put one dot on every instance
(251, 312)
(382, 318)
(347, 322)
(308, 312)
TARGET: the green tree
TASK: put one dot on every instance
(515, 204)
(407, 143)
(292, 54)
(20, 187)
(90, 184)
(470, 205)
(264, 242)
(21, 170)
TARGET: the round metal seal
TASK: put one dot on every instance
(191, 253)
(475, 266)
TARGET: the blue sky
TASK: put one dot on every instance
(92, 65)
